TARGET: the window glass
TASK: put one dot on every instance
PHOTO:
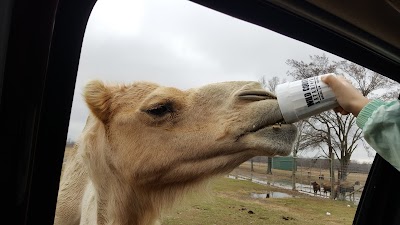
(184, 45)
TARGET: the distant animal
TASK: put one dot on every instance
(341, 190)
(145, 145)
(327, 188)
(321, 177)
(344, 189)
(316, 187)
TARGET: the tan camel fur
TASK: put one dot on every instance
(144, 145)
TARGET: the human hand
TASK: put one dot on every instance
(349, 98)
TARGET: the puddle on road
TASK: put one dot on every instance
(272, 194)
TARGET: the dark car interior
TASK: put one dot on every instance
(40, 45)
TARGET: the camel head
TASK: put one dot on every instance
(154, 136)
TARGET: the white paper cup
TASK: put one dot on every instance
(304, 98)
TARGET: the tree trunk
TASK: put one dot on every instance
(294, 169)
(332, 163)
(269, 168)
(251, 166)
(344, 164)
(300, 126)
(332, 172)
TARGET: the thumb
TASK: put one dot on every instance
(333, 82)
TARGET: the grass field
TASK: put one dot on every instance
(230, 201)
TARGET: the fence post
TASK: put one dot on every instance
(333, 191)
(294, 171)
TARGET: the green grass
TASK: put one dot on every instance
(229, 203)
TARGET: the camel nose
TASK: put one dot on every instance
(256, 95)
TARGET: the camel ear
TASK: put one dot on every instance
(97, 97)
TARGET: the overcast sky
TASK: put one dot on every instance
(178, 43)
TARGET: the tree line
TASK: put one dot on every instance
(354, 166)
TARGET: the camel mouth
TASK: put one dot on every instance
(277, 125)
(259, 95)
(256, 95)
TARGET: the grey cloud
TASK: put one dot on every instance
(181, 44)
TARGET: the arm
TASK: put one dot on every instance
(349, 98)
(379, 120)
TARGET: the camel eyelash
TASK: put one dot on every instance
(160, 109)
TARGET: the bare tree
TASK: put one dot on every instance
(367, 81)
(300, 134)
(339, 133)
(318, 65)
(271, 85)
(251, 165)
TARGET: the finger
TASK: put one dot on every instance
(344, 112)
(343, 79)
(340, 110)
(334, 82)
(328, 79)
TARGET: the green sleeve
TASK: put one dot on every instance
(380, 122)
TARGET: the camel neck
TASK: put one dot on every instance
(119, 204)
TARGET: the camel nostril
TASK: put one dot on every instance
(256, 95)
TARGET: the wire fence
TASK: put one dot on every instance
(311, 176)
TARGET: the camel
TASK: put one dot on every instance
(145, 145)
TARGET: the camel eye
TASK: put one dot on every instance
(160, 110)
